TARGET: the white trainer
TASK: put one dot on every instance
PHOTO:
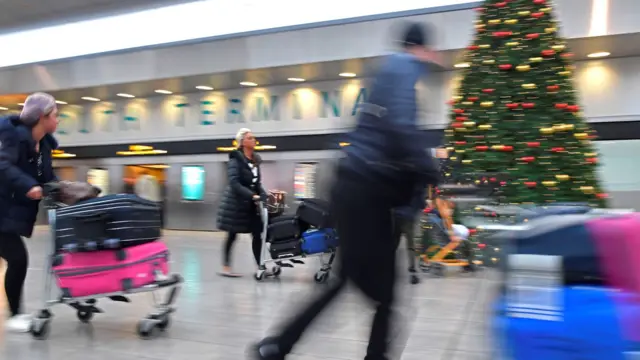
(19, 323)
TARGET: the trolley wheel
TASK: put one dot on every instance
(414, 279)
(40, 329)
(259, 275)
(437, 270)
(164, 321)
(321, 277)
(85, 316)
(146, 328)
(276, 271)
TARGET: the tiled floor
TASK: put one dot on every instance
(217, 317)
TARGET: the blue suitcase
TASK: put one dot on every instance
(108, 222)
(593, 323)
(319, 241)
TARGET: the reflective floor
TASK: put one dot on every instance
(441, 318)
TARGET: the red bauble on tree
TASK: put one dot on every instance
(488, 91)
(501, 4)
(473, 47)
(528, 159)
(530, 184)
(573, 108)
(533, 144)
(557, 149)
(512, 106)
(482, 148)
(548, 52)
(537, 15)
(553, 87)
(458, 111)
(505, 66)
(528, 105)
(533, 36)
(461, 118)
(539, 2)
(473, 98)
(561, 106)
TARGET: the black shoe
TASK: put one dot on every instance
(415, 279)
(266, 349)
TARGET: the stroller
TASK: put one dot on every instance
(289, 240)
(86, 306)
(439, 249)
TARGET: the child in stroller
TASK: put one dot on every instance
(444, 236)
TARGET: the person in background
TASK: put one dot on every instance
(406, 217)
(25, 165)
(386, 160)
(238, 213)
(405, 222)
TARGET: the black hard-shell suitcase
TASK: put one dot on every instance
(286, 249)
(283, 228)
(109, 222)
(314, 213)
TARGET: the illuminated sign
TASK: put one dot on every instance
(60, 154)
(193, 183)
(235, 147)
(138, 150)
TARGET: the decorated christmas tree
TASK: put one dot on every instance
(516, 112)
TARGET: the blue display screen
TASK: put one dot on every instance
(193, 183)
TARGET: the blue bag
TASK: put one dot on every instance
(590, 324)
(318, 241)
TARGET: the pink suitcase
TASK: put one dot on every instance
(617, 240)
(110, 271)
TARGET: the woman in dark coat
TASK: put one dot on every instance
(25, 165)
(238, 213)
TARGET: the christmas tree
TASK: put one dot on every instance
(516, 111)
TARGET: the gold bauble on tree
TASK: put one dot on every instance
(550, 30)
(484, 127)
(546, 131)
(486, 104)
(523, 68)
(563, 177)
(529, 86)
(549, 183)
(587, 189)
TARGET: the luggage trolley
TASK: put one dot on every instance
(288, 260)
(148, 327)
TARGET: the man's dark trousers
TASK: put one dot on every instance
(367, 252)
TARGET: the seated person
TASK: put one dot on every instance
(459, 232)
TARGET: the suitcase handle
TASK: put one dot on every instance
(99, 217)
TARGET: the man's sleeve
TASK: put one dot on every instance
(10, 174)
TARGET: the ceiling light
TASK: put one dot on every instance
(462, 65)
(599, 54)
(347, 74)
(2, 108)
(61, 102)
(89, 98)
(204, 87)
(166, 92)
(296, 79)
(125, 95)
(21, 104)
(248, 83)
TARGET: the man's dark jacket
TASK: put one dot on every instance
(387, 149)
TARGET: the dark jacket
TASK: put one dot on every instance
(418, 203)
(19, 173)
(237, 210)
(387, 148)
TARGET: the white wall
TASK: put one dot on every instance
(608, 91)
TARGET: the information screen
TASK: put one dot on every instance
(193, 183)
(100, 179)
(304, 182)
